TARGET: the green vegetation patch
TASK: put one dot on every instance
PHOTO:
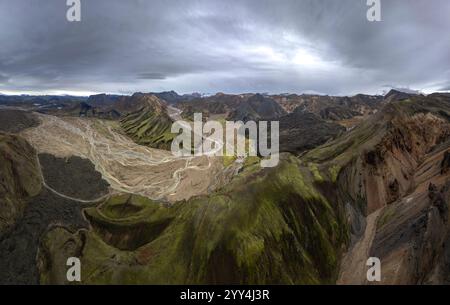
(268, 226)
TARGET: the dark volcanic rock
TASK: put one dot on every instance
(19, 244)
(257, 107)
(171, 97)
(74, 177)
(14, 121)
(395, 95)
(438, 200)
(102, 100)
(18, 248)
(86, 109)
(300, 131)
(332, 107)
(217, 104)
(337, 113)
(445, 164)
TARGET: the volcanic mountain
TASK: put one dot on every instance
(257, 108)
(147, 121)
(390, 171)
(334, 108)
(380, 189)
(301, 131)
(290, 224)
(218, 105)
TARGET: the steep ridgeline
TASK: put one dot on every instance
(334, 108)
(242, 107)
(20, 178)
(148, 123)
(390, 169)
(256, 108)
(15, 121)
(85, 109)
(303, 221)
(301, 131)
(171, 97)
(218, 105)
(103, 106)
(379, 157)
(103, 100)
(288, 224)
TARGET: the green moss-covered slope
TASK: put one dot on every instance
(149, 125)
(268, 226)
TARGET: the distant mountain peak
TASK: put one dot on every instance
(395, 94)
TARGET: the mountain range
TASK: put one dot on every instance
(359, 177)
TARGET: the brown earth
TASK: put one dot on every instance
(14, 121)
(125, 165)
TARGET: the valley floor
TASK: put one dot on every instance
(127, 166)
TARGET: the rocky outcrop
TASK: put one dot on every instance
(15, 121)
(390, 170)
(219, 104)
(171, 97)
(380, 189)
(30, 210)
(256, 108)
(331, 107)
(102, 106)
(445, 164)
(410, 238)
(396, 95)
(74, 177)
(301, 131)
(337, 113)
(378, 159)
(20, 178)
(103, 100)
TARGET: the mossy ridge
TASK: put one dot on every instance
(128, 222)
(266, 227)
(149, 127)
(128, 208)
(315, 172)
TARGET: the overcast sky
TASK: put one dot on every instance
(227, 46)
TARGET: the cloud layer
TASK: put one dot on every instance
(230, 46)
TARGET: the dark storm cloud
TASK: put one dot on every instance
(3, 78)
(231, 46)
